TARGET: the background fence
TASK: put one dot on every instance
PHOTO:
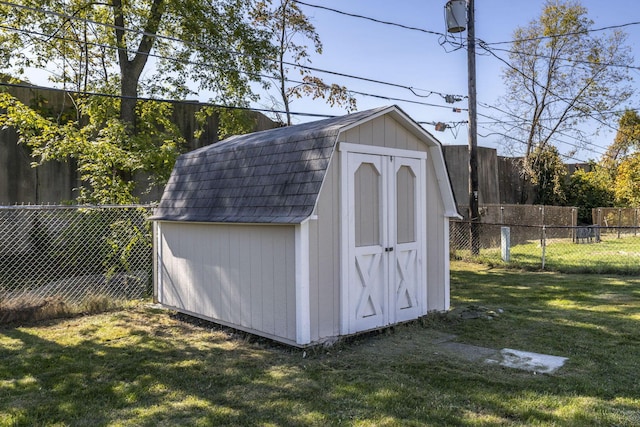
(616, 217)
(70, 255)
(526, 214)
(588, 249)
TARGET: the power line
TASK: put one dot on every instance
(412, 89)
(574, 33)
(450, 125)
(485, 46)
(255, 75)
(368, 18)
(577, 61)
(479, 41)
(507, 136)
(174, 101)
(170, 101)
(546, 127)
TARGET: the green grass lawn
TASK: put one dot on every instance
(144, 366)
(610, 256)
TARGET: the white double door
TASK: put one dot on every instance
(386, 281)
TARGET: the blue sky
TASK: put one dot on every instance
(417, 59)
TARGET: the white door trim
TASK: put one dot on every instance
(381, 151)
(303, 303)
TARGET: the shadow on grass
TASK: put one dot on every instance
(144, 377)
(145, 367)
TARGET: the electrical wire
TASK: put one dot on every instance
(412, 89)
(254, 75)
(486, 45)
(461, 44)
(164, 100)
(577, 61)
(546, 127)
(511, 137)
(574, 33)
(368, 18)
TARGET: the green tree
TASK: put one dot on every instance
(560, 74)
(548, 174)
(627, 138)
(107, 156)
(627, 184)
(290, 30)
(106, 47)
(590, 189)
(623, 160)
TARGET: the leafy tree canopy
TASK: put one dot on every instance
(623, 160)
(291, 30)
(548, 173)
(561, 74)
(126, 49)
(590, 189)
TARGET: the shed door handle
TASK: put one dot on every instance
(388, 249)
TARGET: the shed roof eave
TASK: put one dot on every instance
(226, 222)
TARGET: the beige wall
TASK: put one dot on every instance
(437, 247)
(383, 131)
(241, 275)
(324, 255)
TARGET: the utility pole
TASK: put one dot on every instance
(457, 22)
(474, 214)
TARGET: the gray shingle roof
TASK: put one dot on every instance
(272, 176)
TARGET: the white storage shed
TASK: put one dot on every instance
(308, 232)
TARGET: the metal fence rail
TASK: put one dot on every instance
(71, 254)
(588, 249)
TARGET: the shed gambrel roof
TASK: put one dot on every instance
(273, 176)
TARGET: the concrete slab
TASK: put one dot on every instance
(472, 353)
(528, 361)
(510, 358)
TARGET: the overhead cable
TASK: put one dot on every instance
(170, 101)
(414, 90)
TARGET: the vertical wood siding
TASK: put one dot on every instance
(324, 254)
(437, 253)
(242, 275)
(383, 132)
(325, 251)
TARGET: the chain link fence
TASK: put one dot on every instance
(616, 217)
(68, 256)
(568, 249)
(526, 214)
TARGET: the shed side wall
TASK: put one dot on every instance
(242, 275)
(437, 248)
(324, 252)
